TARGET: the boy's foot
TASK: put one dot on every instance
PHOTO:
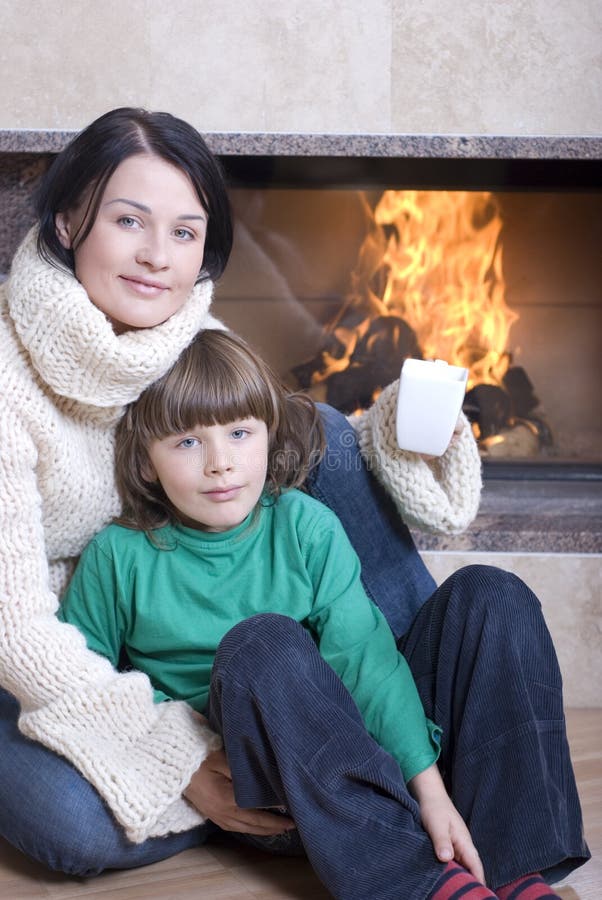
(458, 883)
(529, 887)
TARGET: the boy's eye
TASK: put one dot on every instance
(188, 443)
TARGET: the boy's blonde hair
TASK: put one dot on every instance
(216, 380)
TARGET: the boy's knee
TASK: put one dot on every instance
(263, 640)
(493, 594)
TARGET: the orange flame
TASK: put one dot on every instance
(434, 258)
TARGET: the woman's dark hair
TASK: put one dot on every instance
(216, 380)
(89, 160)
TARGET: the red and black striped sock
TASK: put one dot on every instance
(529, 887)
(458, 883)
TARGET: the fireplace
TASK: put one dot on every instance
(333, 280)
(310, 278)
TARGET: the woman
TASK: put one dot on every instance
(102, 298)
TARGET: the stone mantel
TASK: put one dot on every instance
(416, 146)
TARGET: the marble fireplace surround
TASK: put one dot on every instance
(523, 517)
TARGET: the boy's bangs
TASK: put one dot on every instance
(209, 394)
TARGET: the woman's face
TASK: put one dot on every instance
(145, 250)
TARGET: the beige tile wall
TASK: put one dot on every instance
(568, 586)
(483, 66)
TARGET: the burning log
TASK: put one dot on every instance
(520, 441)
(521, 392)
(504, 416)
(374, 363)
(490, 407)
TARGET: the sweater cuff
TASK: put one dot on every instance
(441, 495)
(138, 755)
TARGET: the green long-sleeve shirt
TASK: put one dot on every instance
(168, 603)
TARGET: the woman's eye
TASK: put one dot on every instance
(239, 433)
(127, 221)
(184, 234)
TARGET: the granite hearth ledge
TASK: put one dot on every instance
(530, 517)
(416, 146)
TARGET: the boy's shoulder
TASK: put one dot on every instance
(116, 540)
(294, 499)
(305, 510)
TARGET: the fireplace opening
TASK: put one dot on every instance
(337, 278)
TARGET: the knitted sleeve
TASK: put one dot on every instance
(442, 495)
(138, 755)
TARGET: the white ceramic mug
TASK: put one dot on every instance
(428, 404)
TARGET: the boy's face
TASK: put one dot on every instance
(213, 475)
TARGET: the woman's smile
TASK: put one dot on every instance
(144, 286)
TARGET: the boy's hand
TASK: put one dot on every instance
(443, 823)
(211, 791)
(450, 836)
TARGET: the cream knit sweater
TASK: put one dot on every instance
(65, 377)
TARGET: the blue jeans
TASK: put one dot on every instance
(294, 737)
(52, 814)
(486, 670)
(393, 574)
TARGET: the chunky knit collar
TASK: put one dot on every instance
(71, 343)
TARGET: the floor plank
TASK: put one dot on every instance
(222, 872)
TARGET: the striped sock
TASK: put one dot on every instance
(459, 884)
(529, 887)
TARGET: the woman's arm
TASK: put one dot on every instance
(139, 755)
(440, 495)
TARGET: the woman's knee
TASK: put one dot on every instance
(72, 831)
(47, 809)
(96, 847)
(54, 827)
(335, 424)
(66, 851)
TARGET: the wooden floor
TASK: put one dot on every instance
(219, 871)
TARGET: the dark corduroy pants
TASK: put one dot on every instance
(487, 672)
(294, 737)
